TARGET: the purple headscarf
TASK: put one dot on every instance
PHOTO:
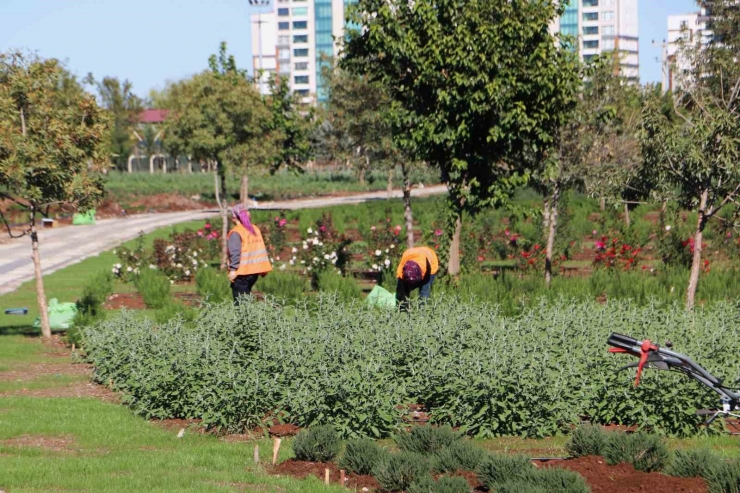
(240, 212)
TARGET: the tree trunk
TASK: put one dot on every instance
(389, 185)
(552, 220)
(602, 204)
(546, 213)
(696, 260)
(244, 190)
(627, 214)
(407, 213)
(363, 169)
(40, 294)
(454, 264)
(222, 208)
(663, 210)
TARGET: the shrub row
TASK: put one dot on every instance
(351, 366)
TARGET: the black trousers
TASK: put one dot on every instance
(242, 286)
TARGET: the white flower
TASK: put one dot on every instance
(375, 266)
(309, 268)
(320, 244)
(294, 250)
(378, 253)
(387, 250)
(303, 262)
(179, 266)
(315, 259)
(393, 246)
(187, 272)
(327, 256)
(114, 270)
(118, 266)
(195, 262)
(387, 262)
(668, 227)
(315, 241)
(334, 261)
(172, 282)
(152, 266)
(129, 269)
(114, 252)
(305, 247)
(291, 262)
(282, 267)
(195, 254)
(309, 230)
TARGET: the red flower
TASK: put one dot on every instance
(481, 258)
(537, 247)
(207, 226)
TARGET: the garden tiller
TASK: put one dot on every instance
(654, 356)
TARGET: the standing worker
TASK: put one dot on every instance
(247, 253)
(417, 269)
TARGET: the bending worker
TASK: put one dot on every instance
(247, 253)
(417, 269)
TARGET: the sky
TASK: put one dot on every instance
(152, 41)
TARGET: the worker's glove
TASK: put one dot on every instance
(232, 275)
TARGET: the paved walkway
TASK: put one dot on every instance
(64, 246)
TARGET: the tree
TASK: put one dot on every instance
(696, 150)
(218, 116)
(292, 126)
(124, 107)
(360, 130)
(475, 86)
(50, 147)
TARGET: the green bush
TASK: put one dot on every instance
(520, 486)
(461, 455)
(171, 310)
(587, 440)
(557, 480)
(154, 287)
(724, 477)
(721, 476)
(645, 452)
(360, 456)
(427, 439)
(345, 288)
(445, 484)
(90, 305)
(317, 444)
(213, 286)
(496, 470)
(283, 285)
(397, 472)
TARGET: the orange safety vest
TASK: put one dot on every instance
(254, 258)
(420, 255)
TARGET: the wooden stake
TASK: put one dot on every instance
(275, 449)
(256, 454)
(326, 476)
(342, 477)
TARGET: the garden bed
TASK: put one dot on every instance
(602, 478)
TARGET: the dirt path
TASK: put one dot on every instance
(64, 246)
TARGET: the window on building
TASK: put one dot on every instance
(300, 52)
(300, 24)
(590, 30)
(590, 16)
(607, 44)
(283, 26)
(588, 58)
(607, 3)
(684, 25)
(607, 16)
(302, 92)
(284, 53)
(302, 38)
(283, 40)
(283, 12)
(607, 30)
(300, 11)
(590, 3)
(590, 45)
(300, 79)
(301, 66)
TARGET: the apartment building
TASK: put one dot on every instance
(600, 26)
(294, 41)
(684, 29)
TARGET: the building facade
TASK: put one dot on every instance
(684, 29)
(296, 40)
(601, 26)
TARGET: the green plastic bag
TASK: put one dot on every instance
(60, 315)
(381, 297)
(84, 219)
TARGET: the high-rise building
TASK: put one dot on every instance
(684, 29)
(295, 40)
(600, 26)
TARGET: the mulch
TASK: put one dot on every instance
(130, 301)
(301, 470)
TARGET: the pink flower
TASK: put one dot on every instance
(282, 222)
(372, 228)
(207, 226)
(437, 232)
(481, 258)
(594, 232)
(200, 232)
(506, 232)
(277, 219)
(322, 228)
(600, 245)
(398, 227)
(729, 234)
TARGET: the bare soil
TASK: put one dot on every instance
(130, 301)
(302, 470)
(623, 478)
(61, 443)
